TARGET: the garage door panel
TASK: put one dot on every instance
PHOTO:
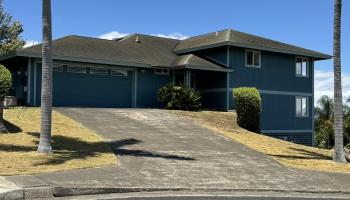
(91, 90)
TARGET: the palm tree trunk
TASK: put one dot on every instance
(2, 126)
(46, 86)
(339, 154)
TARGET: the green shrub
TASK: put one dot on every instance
(179, 97)
(5, 82)
(248, 107)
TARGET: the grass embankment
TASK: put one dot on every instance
(287, 153)
(74, 145)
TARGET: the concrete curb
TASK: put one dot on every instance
(58, 191)
(12, 195)
(77, 191)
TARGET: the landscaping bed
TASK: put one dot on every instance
(287, 153)
(74, 145)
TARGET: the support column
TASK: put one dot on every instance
(29, 81)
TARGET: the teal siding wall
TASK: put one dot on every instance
(148, 85)
(276, 75)
(277, 72)
(218, 55)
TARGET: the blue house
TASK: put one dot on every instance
(127, 72)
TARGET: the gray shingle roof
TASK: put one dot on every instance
(139, 50)
(148, 50)
(240, 39)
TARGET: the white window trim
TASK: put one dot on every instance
(122, 72)
(307, 106)
(99, 68)
(307, 67)
(246, 58)
(76, 66)
(164, 71)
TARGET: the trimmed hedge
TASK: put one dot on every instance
(5, 82)
(179, 97)
(248, 107)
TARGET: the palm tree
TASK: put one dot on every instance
(339, 153)
(324, 120)
(46, 86)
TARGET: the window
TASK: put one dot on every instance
(159, 71)
(76, 69)
(301, 67)
(301, 106)
(117, 72)
(252, 58)
(57, 67)
(99, 71)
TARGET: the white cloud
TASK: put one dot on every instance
(175, 35)
(324, 84)
(31, 43)
(116, 34)
(113, 35)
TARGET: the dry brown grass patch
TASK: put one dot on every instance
(74, 145)
(287, 153)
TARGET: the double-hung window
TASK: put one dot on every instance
(302, 106)
(301, 67)
(252, 58)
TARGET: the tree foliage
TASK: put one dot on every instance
(10, 32)
(324, 123)
(5, 82)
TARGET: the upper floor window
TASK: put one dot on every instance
(301, 67)
(301, 106)
(252, 58)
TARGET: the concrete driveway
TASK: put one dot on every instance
(156, 149)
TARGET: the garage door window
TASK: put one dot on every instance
(115, 72)
(99, 71)
(76, 69)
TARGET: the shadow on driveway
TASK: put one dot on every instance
(69, 148)
(118, 150)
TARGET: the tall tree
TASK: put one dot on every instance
(46, 86)
(10, 33)
(339, 153)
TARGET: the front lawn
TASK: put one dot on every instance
(74, 145)
(287, 153)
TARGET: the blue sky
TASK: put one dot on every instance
(306, 23)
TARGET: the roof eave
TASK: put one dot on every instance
(76, 59)
(8, 56)
(319, 56)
